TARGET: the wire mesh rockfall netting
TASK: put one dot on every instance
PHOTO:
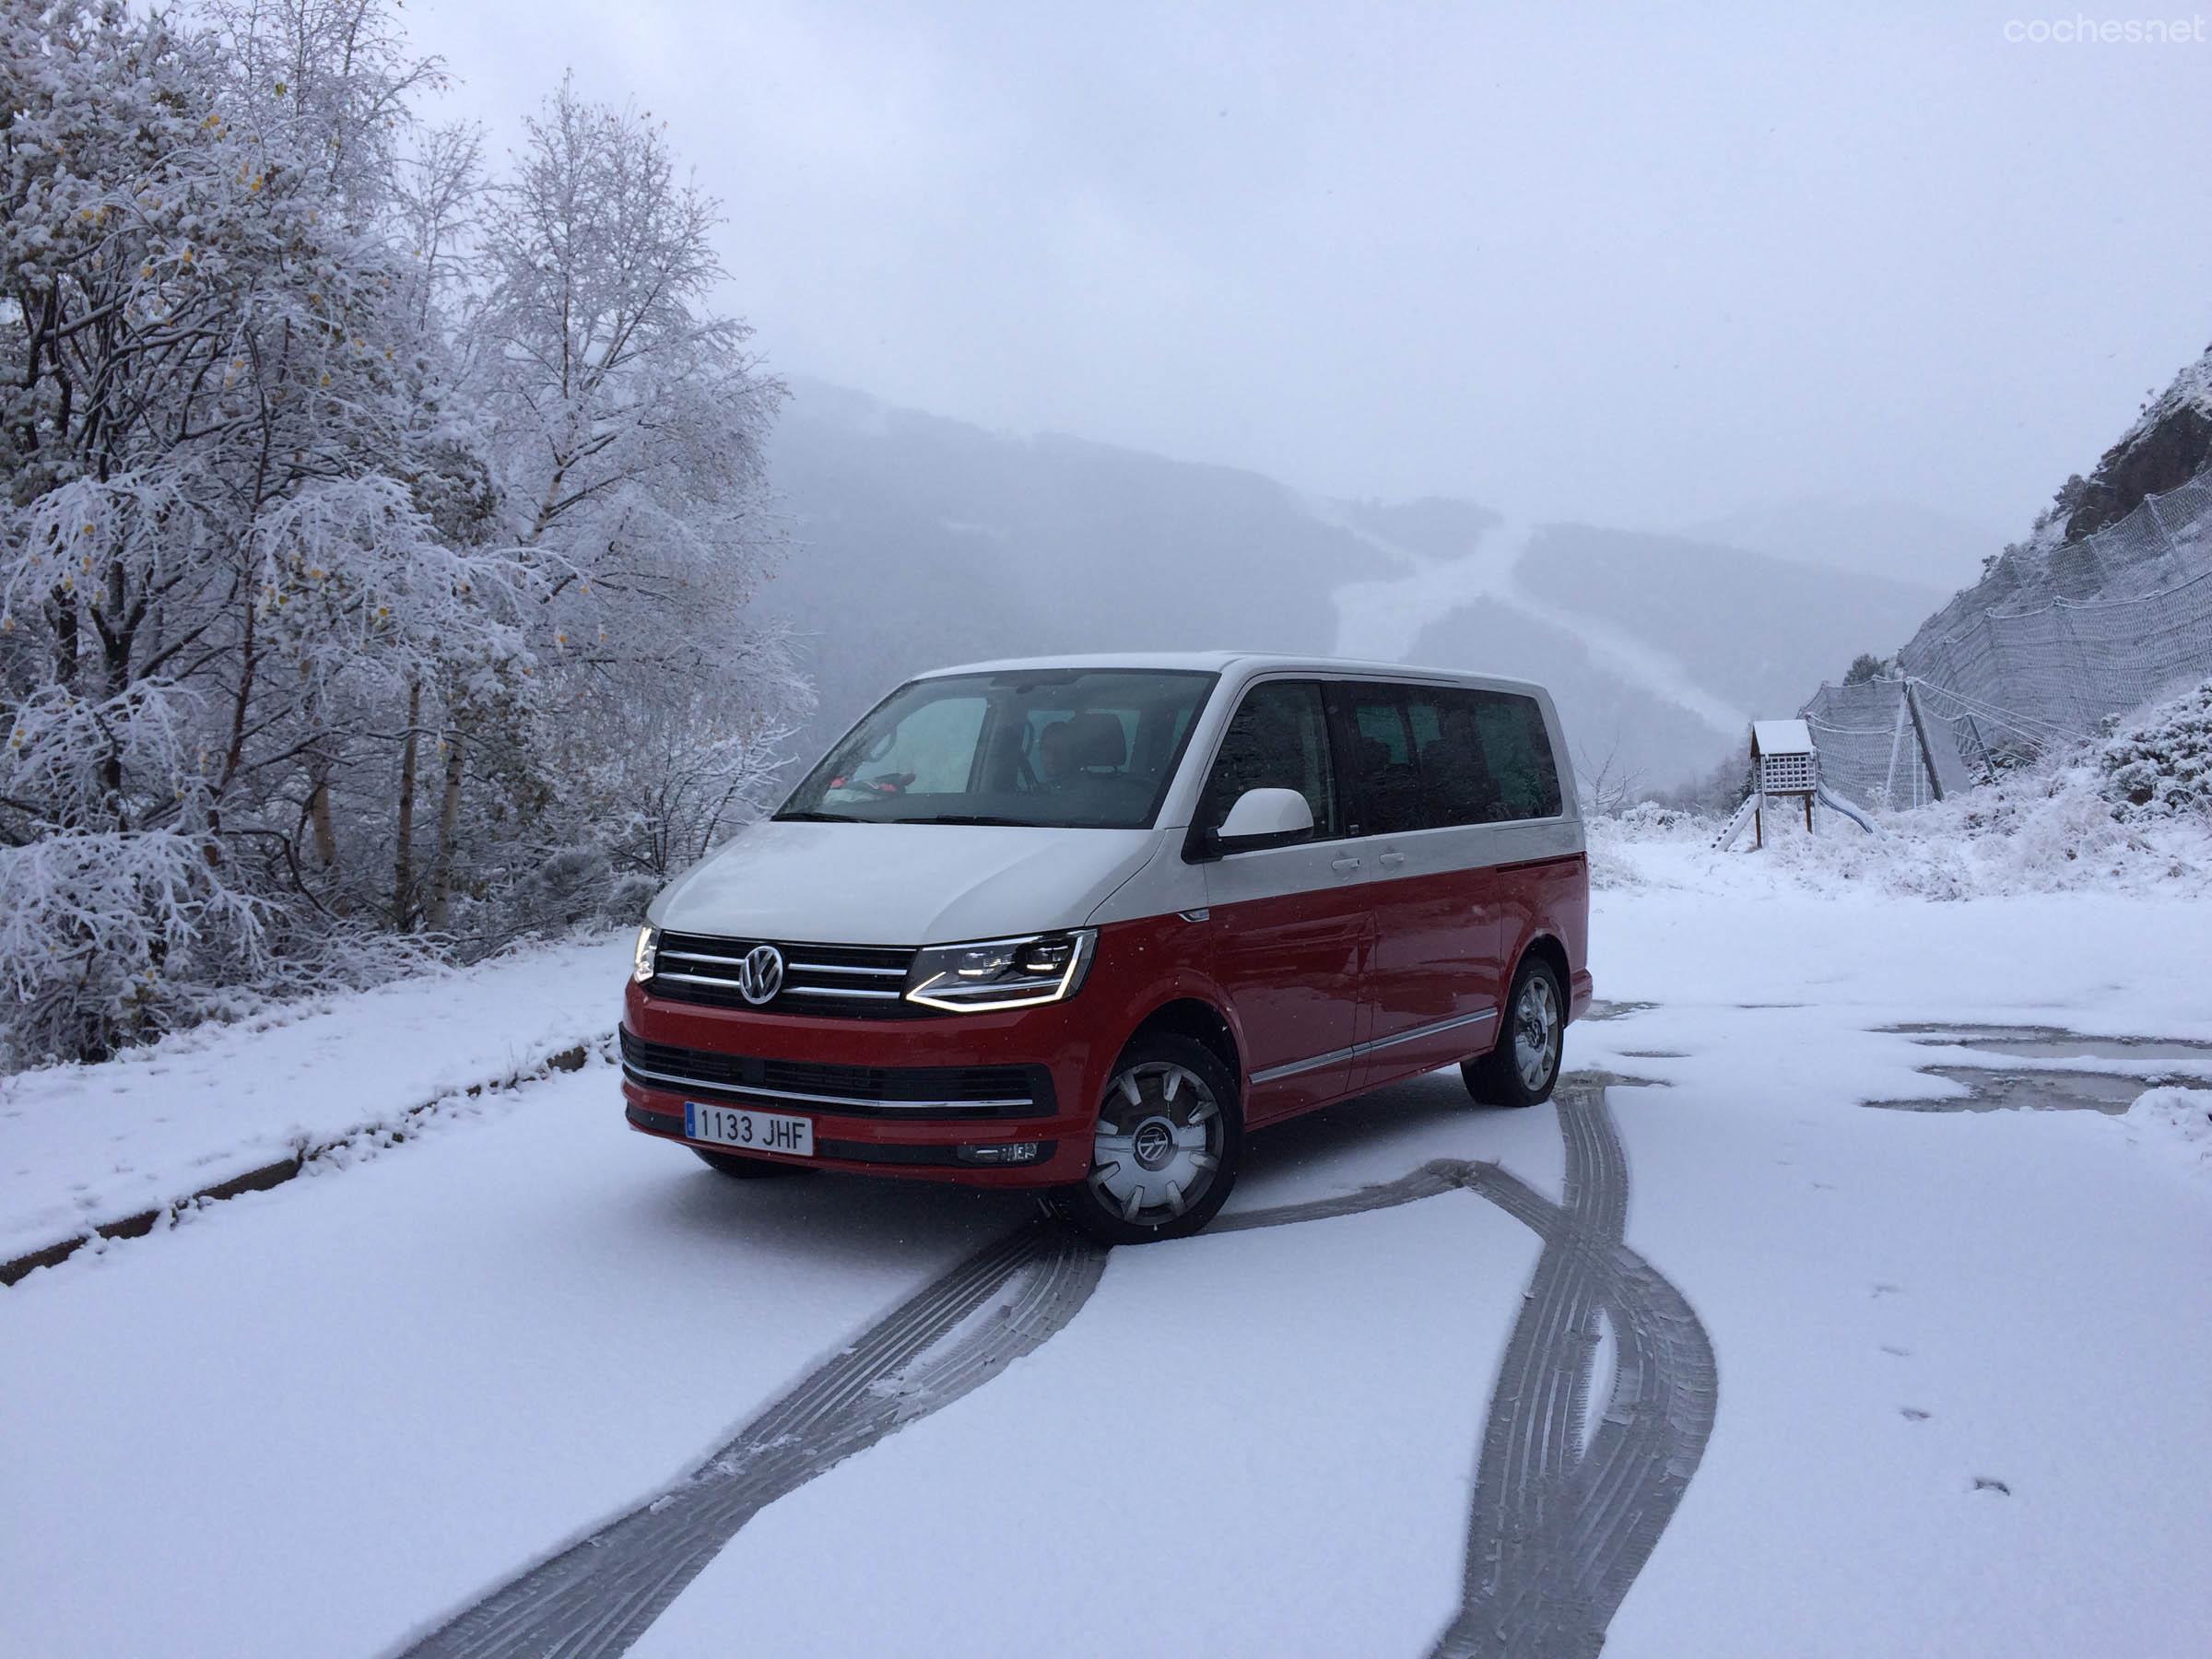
(2077, 632)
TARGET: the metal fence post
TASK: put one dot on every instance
(1920, 730)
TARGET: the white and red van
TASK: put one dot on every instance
(1080, 925)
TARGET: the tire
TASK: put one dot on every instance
(738, 1167)
(1174, 1099)
(1524, 1068)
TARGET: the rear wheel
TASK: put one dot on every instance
(1524, 1066)
(739, 1168)
(1165, 1152)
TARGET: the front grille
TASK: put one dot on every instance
(912, 1091)
(848, 982)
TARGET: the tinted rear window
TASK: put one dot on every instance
(1516, 749)
(1428, 756)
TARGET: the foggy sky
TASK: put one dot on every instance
(1634, 267)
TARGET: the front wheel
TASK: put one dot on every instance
(1165, 1152)
(1522, 1068)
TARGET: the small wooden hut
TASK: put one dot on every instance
(1785, 766)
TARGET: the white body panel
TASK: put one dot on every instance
(901, 883)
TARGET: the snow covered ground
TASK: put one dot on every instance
(1959, 1353)
(84, 1145)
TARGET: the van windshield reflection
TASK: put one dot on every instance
(1054, 748)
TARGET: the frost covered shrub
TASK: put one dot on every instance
(111, 938)
(2044, 832)
(2161, 765)
(1648, 818)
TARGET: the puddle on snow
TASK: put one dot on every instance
(1600, 1009)
(2047, 1042)
(1995, 1087)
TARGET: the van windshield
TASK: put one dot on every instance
(1057, 747)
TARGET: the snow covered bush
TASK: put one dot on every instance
(2160, 765)
(111, 936)
(374, 532)
(2177, 1121)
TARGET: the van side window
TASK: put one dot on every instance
(1456, 784)
(1278, 740)
(1517, 751)
(1390, 783)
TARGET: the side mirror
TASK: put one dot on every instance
(1264, 818)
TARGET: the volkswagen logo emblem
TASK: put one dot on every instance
(760, 975)
(1153, 1142)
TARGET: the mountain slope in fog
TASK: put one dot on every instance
(1660, 650)
(919, 541)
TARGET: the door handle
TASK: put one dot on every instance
(1390, 860)
(1344, 866)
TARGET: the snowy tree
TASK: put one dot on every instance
(318, 452)
(628, 415)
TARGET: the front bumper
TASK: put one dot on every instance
(886, 1097)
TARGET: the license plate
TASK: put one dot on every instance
(748, 1131)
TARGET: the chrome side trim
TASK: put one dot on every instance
(1334, 1056)
(1295, 1066)
(1430, 1031)
(817, 1100)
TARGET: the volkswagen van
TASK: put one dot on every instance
(1082, 926)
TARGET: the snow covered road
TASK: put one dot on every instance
(1575, 1485)
(1958, 1356)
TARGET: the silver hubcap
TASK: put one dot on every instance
(1159, 1142)
(1536, 1032)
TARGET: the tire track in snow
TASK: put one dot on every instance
(951, 1336)
(1557, 1529)
(1559, 1525)
(1560, 1530)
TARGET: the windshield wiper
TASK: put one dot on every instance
(969, 818)
(819, 817)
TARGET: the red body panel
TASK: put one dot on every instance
(1294, 978)
(1288, 970)
(1437, 959)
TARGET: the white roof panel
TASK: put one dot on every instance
(1783, 736)
(1223, 662)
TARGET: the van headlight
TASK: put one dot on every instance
(1001, 973)
(649, 939)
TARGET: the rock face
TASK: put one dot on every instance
(2167, 446)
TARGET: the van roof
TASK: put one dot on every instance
(1247, 663)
